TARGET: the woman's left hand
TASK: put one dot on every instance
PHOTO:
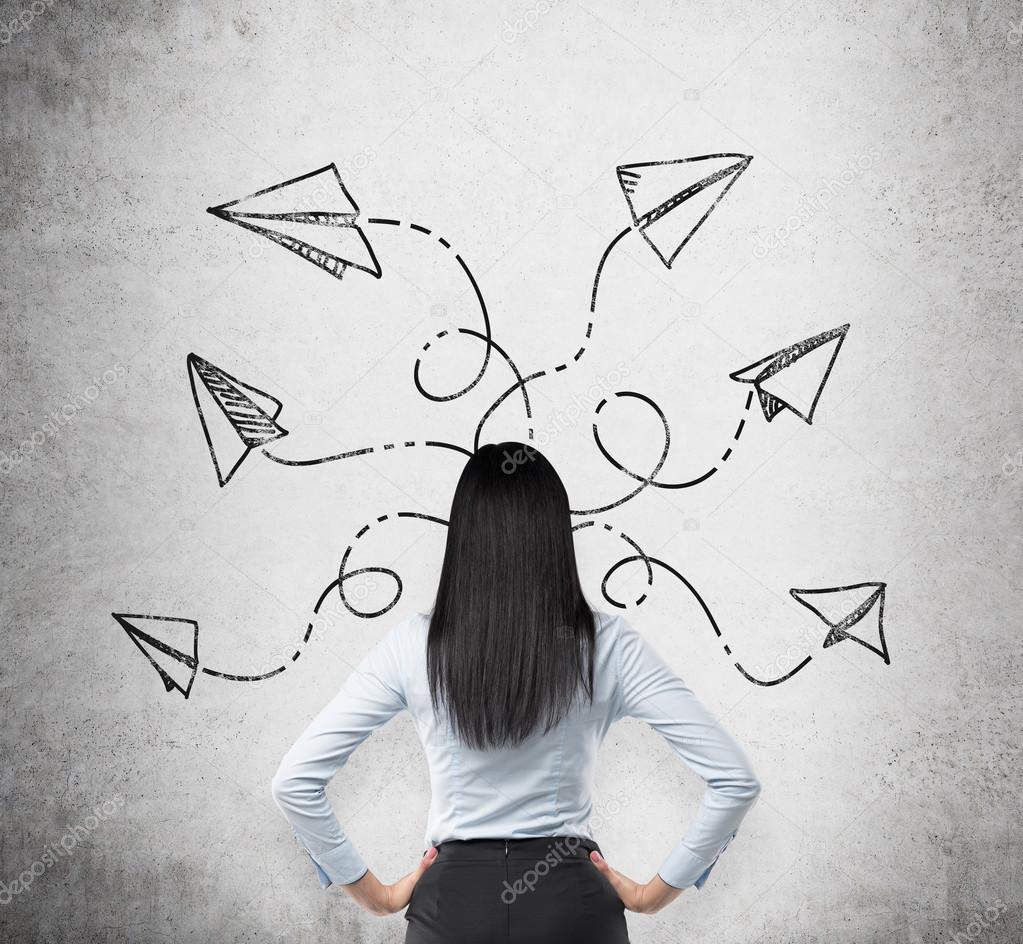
(380, 899)
(643, 899)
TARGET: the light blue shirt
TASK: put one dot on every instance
(542, 787)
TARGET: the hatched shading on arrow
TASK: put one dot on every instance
(794, 377)
(869, 601)
(671, 200)
(171, 645)
(236, 417)
(313, 216)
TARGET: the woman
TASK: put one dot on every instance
(512, 683)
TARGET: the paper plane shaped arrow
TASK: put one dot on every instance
(236, 417)
(171, 645)
(313, 215)
(671, 200)
(867, 600)
(794, 377)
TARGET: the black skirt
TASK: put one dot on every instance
(526, 891)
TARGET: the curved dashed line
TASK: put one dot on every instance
(479, 298)
(644, 482)
(244, 678)
(651, 479)
(365, 451)
(710, 617)
(344, 575)
(520, 383)
(640, 554)
(766, 683)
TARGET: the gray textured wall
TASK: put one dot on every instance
(891, 802)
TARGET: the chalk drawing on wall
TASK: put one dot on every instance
(314, 216)
(235, 416)
(794, 377)
(863, 598)
(171, 644)
(790, 379)
(655, 190)
(869, 601)
(670, 200)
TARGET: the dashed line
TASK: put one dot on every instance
(365, 451)
(738, 429)
(487, 338)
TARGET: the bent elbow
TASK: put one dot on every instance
(750, 787)
(741, 786)
(283, 787)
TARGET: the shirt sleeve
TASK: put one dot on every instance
(372, 695)
(650, 691)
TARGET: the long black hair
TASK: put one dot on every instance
(511, 636)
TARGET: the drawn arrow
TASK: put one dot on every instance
(670, 200)
(313, 216)
(794, 377)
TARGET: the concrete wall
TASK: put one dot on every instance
(883, 192)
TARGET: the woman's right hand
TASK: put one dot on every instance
(643, 899)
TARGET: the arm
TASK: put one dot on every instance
(371, 696)
(650, 691)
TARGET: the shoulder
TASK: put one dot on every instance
(412, 627)
(407, 638)
(609, 629)
(620, 643)
(608, 626)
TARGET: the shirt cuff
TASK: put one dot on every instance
(684, 868)
(341, 865)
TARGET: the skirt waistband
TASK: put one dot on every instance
(534, 848)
